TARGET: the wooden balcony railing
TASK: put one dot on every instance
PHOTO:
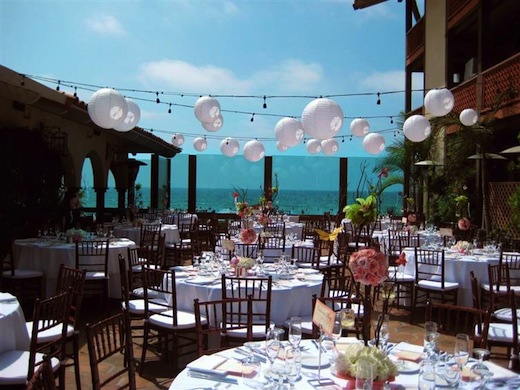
(415, 41)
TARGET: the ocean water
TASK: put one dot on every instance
(221, 200)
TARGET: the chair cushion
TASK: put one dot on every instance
(487, 287)
(185, 320)
(95, 275)
(501, 332)
(505, 314)
(400, 277)
(435, 285)
(14, 365)
(258, 331)
(50, 334)
(23, 274)
(307, 325)
(136, 306)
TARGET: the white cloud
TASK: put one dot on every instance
(393, 80)
(291, 76)
(180, 75)
(105, 24)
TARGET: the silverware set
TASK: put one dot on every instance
(212, 377)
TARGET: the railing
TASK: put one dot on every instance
(455, 7)
(415, 39)
(500, 87)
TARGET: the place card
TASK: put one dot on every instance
(323, 317)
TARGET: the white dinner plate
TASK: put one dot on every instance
(307, 271)
(312, 361)
(407, 367)
(200, 280)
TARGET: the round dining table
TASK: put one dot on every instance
(171, 233)
(13, 332)
(46, 255)
(289, 297)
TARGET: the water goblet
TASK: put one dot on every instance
(348, 318)
(336, 328)
(461, 350)
(273, 345)
(280, 369)
(364, 375)
(426, 375)
(384, 333)
(251, 372)
(293, 359)
(295, 331)
(480, 368)
(430, 335)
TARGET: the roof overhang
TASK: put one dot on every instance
(26, 91)
(360, 4)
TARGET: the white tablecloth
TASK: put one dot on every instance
(288, 298)
(403, 381)
(291, 228)
(47, 254)
(171, 233)
(457, 269)
(13, 332)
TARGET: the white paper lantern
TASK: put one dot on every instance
(468, 117)
(214, 125)
(359, 127)
(133, 115)
(178, 139)
(107, 108)
(322, 118)
(207, 109)
(200, 144)
(254, 151)
(329, 146)
(281, 147)
(417, 128)
(289, 131)
(374, 143)
(439, 102)
(314, 146)
(229, 146)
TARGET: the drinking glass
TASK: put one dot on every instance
(251, 373)
(280, 369)
(384, 333)
(430, 335)
(295, 331)
(364, 375)
(427, 375)
(480, 368)
(273, 344)
(461, 350)
(348, 318)
(336, 328)
(293, 360)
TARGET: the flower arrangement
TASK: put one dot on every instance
(383, 368)
(248, 236)
(463, 246)
(75, 235)
(263, 219)
(243, 209)
(242, 262)
(464, 224)
(138, 222)
(369, 266)
(401, 260)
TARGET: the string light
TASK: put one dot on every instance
(58, 87)
(75, 92)
(391, 120)
(378, 99)
(265, 104)
(170, 109)
(253, 117)
(157, 100)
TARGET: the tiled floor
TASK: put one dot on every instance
(158, 374)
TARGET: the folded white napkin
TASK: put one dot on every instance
(5, 297)
(208, 363)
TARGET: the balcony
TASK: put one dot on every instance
(415, 42)
(457, 10)
(500, 90)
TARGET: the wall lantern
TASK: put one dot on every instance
(417, 128)
(468, 117)
(439, 102)
(289, 131)
(107, 108)
(178, 139)
(214, 125)
(133, 115)
(322, 118)
(254, 151)
(374, 143)
(314, 146)
(207, 109)
(229, 146)
(359, 127)
(200, 144)
(329, 146)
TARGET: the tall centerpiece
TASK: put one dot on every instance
(245, 212)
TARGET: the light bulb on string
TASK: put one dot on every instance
(378, 99)
(75, 92)
(265, 103)
(253, 117)
(391, 120)
(58, 87)
(170, 109)
(157, 100)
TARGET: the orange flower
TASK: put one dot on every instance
(401, 260)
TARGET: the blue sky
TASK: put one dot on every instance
(300, 49)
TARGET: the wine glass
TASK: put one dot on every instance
(364, 375)
(273, 345)
(295, 331)
(480, 368)
(384, 333)
(430, 335)
(461, 350)
(427, 375)
(279, 368)
(294, 365)
(348, 318)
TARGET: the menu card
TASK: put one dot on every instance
(323, 317)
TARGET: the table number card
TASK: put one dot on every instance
(323, 317)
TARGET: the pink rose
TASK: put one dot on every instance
(464, 224)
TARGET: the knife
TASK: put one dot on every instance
(212, 377)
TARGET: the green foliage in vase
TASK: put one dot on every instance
(363, 212)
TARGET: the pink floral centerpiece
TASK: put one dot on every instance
(464, 224)
(369, 267)
(248, 236)
(241, 265)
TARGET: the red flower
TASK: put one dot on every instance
(401, 260)
(383, 173)
(235, 194)
(369, 266)
(464, 224)
(411, 218)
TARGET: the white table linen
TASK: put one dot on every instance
(171, 233)
(13, 332)
(403, 381)
(291, 228)
(47, 254)
(289, 298)
(457, 269)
